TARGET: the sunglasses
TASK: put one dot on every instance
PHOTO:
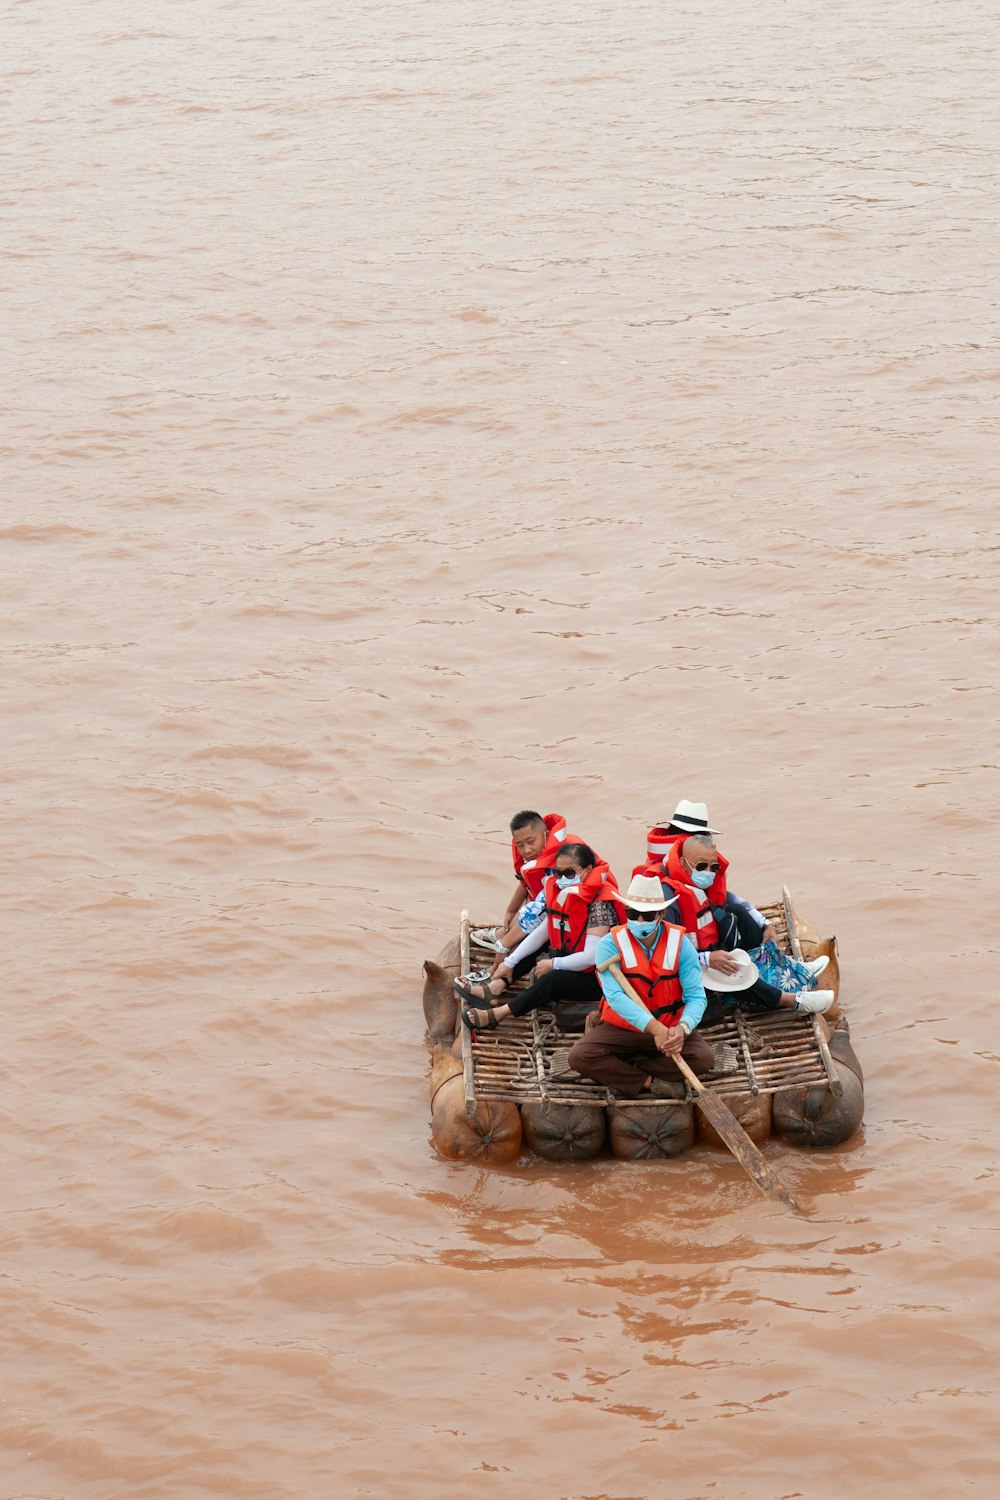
(703, 864)
(561, 874)
(643, 916)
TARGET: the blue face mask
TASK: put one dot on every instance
(642, 929)
(703, 878)
(564, 882)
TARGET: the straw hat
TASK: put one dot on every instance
(746, 975)
(645, 894)
(692, 817)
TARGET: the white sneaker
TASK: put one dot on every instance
(814, 1002)
(815, 967)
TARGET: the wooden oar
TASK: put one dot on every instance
(717, 1113)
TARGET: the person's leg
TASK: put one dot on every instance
(494, 989)
(761, 997)
(530, 916)
(526, 922)
(698, 1053)
(527, 964)
(606, 1053)
(557, 985)
(747, 930)
(624, 1060)
(728, 928)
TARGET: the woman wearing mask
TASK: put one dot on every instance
(582, 903)
(631, 1049)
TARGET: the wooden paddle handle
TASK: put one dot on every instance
(735, 1138)
(689, 1074)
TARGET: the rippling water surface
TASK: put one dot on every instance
(413, 413)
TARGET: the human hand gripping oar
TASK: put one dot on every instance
(725, 1122)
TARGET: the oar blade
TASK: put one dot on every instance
(743, 1148)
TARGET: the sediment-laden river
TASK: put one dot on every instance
(416, 413)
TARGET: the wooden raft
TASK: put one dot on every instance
(772, 1051)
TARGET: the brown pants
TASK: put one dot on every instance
(623, 1060)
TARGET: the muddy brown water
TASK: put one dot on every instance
(413, 413)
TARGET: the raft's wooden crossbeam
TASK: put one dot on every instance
(776, 1050)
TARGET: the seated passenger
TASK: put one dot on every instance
(582, 903)
(688, 818)
(631, 1049)
(718, 922)
(535, 845)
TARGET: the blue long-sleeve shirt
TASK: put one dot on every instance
(689, 972)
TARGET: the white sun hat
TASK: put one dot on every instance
(692, 817)
(645, 894)
(745, 976)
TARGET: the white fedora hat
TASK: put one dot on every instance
(692, 817)
(646, 894)
(746, 975)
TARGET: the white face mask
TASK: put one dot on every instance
(564, 882)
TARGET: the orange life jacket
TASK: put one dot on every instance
(695, 905)
(654, 976)
(532, 872)
(659, 842)
(568, 911)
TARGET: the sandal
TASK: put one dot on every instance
(481, 991)
(475, 976)
(490, 1024)
(488, 938)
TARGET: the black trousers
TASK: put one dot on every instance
(738, 929)
(569, 992)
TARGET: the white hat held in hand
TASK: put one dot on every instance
(692, 817)
(745, 976)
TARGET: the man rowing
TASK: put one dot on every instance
(632, 1047)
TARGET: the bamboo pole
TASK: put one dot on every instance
(833, 1077)
(793, 931)
(747, 1058)
(468, 1067)
(539, 1054)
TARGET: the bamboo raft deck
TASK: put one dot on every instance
(760, 1053)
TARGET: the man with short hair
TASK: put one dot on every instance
(718, 922)
(535, 844)
(690, 820)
